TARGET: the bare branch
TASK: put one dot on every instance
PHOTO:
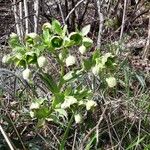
(73, 9)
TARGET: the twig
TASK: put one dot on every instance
(95, 128)
(73, 9)
(147, 47)
(123, 19)
(61, 12)
(6, 138)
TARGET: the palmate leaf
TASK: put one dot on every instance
(49, 82)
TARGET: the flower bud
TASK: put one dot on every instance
(82, 49)
(70, 60)
(42, 61)
(26, 74)
(78, 118)
(111, 81)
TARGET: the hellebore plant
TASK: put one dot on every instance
(70, 97)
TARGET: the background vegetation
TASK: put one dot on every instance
(80, 81)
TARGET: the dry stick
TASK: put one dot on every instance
(6, 138)
(73, 9)
(61, 12)
(95, 128)
(18, 134)
(123, 19)
(147, 47)
(16, 19)
(36, 10)
(26, 17)
(101, 20)
(74, 140)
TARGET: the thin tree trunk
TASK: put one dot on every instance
(101, 20)
(21, 18)
(26, 17)
(16, 18)
(36, 10)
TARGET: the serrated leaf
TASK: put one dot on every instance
(49, 82)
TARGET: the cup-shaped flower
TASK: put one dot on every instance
(76, 37)
(56, 41)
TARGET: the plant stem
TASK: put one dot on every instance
(62, 145)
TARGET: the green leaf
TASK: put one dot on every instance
(42, 113)
(85, 30)
(49, 82)
(141, 80)
(56, 26)
(88, 63)
(58, 100)
(68, 76)
(21, 62)
(46, 35)
(64, 31)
